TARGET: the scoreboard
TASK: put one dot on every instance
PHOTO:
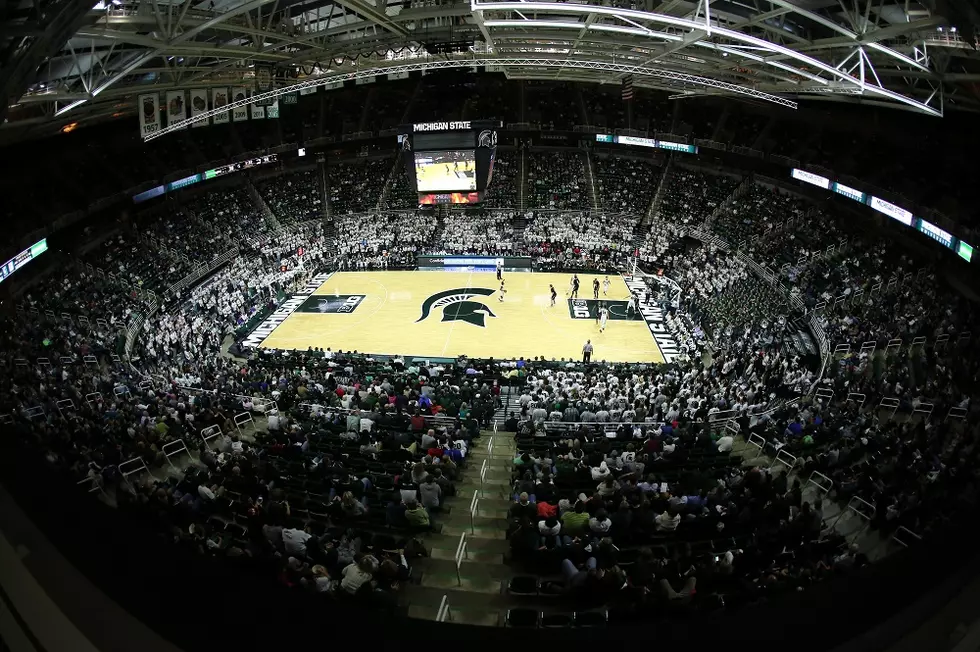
(449, 162)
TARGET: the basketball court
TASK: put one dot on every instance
(448, 313)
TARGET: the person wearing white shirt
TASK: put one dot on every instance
(725, 444)
(294, 541)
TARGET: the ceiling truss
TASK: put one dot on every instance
(894, 53)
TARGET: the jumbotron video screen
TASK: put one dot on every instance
(450, 171)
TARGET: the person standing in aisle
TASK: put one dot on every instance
(603, 316)
(605, 287)
(554, 294)
(595, 288)
(587, 351)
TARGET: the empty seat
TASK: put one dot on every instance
(556, 620)
(523, 585)
(590, 618)
(523, 618)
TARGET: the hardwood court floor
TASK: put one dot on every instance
(388, 318)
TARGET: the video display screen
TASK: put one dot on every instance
(448, 171)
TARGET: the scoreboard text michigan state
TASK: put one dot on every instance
(449, 161)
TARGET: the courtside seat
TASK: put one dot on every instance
(522, 618)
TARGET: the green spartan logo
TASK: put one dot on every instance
(456, 306)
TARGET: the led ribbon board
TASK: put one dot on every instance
(23, 258)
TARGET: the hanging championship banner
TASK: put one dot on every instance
(239, 112)
(263, 81)
(176, 107)
(273, 110)
(149, 114)
(219, 98)
(258, 112)
(199, 104)
(309, 90)
(360, 81)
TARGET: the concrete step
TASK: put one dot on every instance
(484, 585)
(449, 542)
(471, 568)
(457, 597)
(477, 617)
(456, 529)
(463, 518)
(472, 556)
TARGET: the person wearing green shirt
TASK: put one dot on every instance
(575, 521)
(416, 515)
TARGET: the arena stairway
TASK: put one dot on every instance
(799, 339)
(477, 596)
(510, 401)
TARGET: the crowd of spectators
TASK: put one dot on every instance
(556, 180)
(757, 211)
(626, 185)
(356, 186)
(661, 504)
(486, 234)
(691, 196)
(383, 240)
(293, 197)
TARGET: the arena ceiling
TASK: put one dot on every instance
(65, 61)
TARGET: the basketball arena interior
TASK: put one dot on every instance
(412, 322)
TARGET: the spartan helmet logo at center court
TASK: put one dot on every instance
(456, 306)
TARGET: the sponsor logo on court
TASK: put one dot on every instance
(654, 318)
(335, 303)
(457, 306)
(282, 313)
(589, 308)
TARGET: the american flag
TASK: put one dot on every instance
(627, 88)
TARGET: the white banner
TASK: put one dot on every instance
(258, 112)
(397, 75)
(329, 86)
(309, 90)
(219, 98)
(199, 105)
(149, 114)
(273, 110)
(176, 107)
(239, 112)
(360, 81)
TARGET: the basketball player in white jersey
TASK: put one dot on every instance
(605, 287)
(603, 316)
